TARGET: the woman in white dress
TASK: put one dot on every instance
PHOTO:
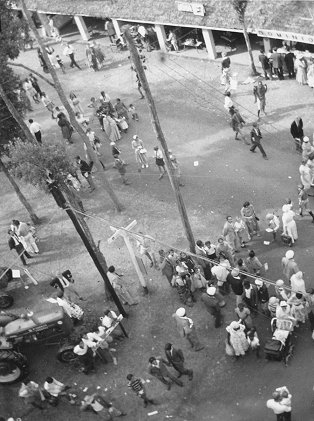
(300, 66)
(288, 222)
(140, 152)
(310, 74)
(111, 128)
(237, 338)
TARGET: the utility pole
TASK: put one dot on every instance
(61, 202)
(161, 138)
(124, 234)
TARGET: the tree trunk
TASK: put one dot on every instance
(32, 71)
(16, 115)
(249, 49)
(161, 138)
(84, 139)
(19, 194)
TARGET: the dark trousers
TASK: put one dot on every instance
(291, 71)
(169, 380)
(38, 136)
(19, 249)
(88, 361)
(217, 316)
(259, 146)
(73, 62)
(279, 72)
(179, 367)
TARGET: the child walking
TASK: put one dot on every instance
(133, 112)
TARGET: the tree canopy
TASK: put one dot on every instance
(13, 30)
(31, 161)
(240, 7)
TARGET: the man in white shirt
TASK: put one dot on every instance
(86, 357)
(35, 129)
(228, 102)
(68, 51)
(52, 390)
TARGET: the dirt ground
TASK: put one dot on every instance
(219, 175)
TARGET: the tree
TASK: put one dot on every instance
(75, 124)
(240, 8)
(40, 165)
(10, 103)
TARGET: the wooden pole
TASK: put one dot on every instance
(161, 138)
(58, 87)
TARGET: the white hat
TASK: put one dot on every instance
(180, 312)
(270, 216)
(234, 325)
(290, 254)
(283, 304)
(279, 283)
(258, 282)
(286, 208)
(306, 139)
(235, 272)
(135, 136)
(112, 143)
(211, 290)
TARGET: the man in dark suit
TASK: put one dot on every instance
(296, 131)
(86, 170)
(176, 359)
(265, 64)
(256, 137)
(277, 59)
(158, 369)
(14, 243)
(289, 60)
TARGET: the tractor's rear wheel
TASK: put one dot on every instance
(66, 354)
(13, 366)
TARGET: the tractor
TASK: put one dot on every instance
(48, 326)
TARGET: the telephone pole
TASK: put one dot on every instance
(161, 138)
(61, 202)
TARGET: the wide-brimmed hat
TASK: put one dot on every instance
(211, 290)
(180, 312)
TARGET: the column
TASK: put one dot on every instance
(79, 20)
(45, 24)
(116, 27)
(267, 44)
(210, 43)
(161, 36)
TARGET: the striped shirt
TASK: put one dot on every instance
(136, 385)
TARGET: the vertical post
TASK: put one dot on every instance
(44, 21)
(134, 261)
(210, 43)
(79, 20)
(267, 44)
(161, 36)
(116, 26)
(161, 138)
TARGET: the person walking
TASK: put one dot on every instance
(237, 339)
(159, 159)
(175, 358)
(76, 103)
(110, 30)
(137, 385)
(119, 164)
(166, 266)
(69, 51)
(60, 63)
(158, 369)
(186, 329)
(259, 92)
(230, 235)
(253, 264)
(35, 129)
(289, 60)
(273, 224)
(296, 130)
(251, 220)
(121, 109)
(250, 296)
(172, 38)
(140, 152)
(237, 123)
(262, 295)
(176, 167)
(256, 137)
(86, 169)
(213, 302)
(119, 287)
(15, 243)
(301, 68)
(305, 176)
(263, 59)
(289, 265)
(278, 407)
(289, 225)
(235, 281)
(133, 112)
(277, 61)
(66, 128)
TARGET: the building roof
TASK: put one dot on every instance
(285, 15)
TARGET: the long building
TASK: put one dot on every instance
(215, 21)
